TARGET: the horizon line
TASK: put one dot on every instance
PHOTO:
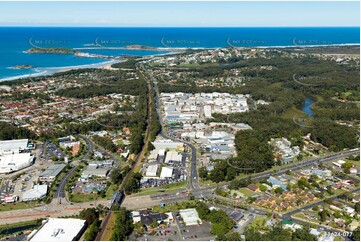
(52, 26)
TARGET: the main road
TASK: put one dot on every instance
(60, 195)
(139, 202)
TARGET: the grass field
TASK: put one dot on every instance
(167, 188)
(246, 191)
(78, 198)
(259, 223)
(175, 206)
(110, 192)
(303, 217)
(13, 206)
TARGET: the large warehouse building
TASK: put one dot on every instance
(14, 162)
(51, 172)
(15, 155)
(60, 229)
(164, 144)
(15, 146)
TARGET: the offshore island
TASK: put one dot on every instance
(23, 67)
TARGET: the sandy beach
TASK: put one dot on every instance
(46, 71)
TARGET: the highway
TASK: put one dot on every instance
(303, 164)
(136, 202)
(208, 190)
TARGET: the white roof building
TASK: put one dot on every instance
(208, 111)
(69, 144)
(60, 229)
(97, 171)
(166, 172)
(37, 192)
(173, 156)
(152, 170)
(13, 146)
(161, 152)
(190, 216)
(167, 144)
(153, 155)
(15, 162)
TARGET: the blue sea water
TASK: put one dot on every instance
(106, 41)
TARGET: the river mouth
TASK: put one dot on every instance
(307, 107)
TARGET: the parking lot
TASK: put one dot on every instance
(196, 232)
(17, 187)
(6, 187)
(26, 182)
(170, 232)
(52, 150)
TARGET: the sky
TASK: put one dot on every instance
(180, 14)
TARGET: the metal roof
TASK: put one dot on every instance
(53, 170)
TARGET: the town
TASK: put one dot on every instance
(211, 147)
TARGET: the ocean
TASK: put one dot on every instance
(14, 41)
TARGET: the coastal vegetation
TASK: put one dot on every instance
(128, 64)
(139, 47)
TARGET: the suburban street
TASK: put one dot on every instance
(289, 215)
(61, 193)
